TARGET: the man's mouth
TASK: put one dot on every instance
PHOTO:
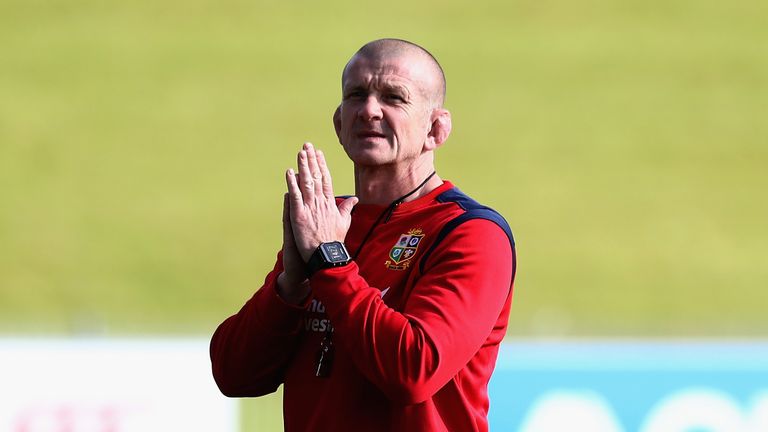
(371, 134)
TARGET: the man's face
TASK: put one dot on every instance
(386, 108)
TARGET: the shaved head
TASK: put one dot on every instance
(391, 111)
(397, 48)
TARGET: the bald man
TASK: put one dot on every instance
(385, 310)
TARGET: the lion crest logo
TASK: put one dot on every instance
(404, 250)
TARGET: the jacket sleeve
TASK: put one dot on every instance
(450, 313)
(250, 350)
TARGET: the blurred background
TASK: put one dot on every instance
(143, 144)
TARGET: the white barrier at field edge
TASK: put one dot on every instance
(100, 385)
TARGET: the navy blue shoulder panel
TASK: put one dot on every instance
(473, 210)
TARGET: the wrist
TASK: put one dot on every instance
(292, 291)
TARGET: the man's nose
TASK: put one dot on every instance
(371, 108)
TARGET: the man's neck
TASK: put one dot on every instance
(382, 185)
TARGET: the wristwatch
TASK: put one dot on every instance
(328, 255)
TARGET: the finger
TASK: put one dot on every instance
(314, 168)
(295, 199)
(346, 206)
(305, 177)
(287, 228)
(327, 181)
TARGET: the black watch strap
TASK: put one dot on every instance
(315, 262)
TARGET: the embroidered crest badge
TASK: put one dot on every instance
(401, 253)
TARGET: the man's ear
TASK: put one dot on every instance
(439, 130)
(337, 122)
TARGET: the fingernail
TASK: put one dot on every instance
(290, 171)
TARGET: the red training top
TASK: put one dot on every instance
(417, 321)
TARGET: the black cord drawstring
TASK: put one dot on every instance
(388, 213)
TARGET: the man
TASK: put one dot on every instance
(399, 330)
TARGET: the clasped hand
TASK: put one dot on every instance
(314, 216)
(310, 217)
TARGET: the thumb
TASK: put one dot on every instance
(346, 206)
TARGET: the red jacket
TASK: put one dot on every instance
(417, 321)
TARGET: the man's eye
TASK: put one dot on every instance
(395, 97)
(355, 95)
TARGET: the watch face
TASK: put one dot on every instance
(334, 252)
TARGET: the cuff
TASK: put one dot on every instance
(279, 314)
(334, 284)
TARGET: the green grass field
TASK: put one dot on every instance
(142, 147)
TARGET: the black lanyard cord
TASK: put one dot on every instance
(388, 213)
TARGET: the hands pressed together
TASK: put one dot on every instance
(310, 217)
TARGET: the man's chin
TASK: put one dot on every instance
(368, 158)
(369, 151)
